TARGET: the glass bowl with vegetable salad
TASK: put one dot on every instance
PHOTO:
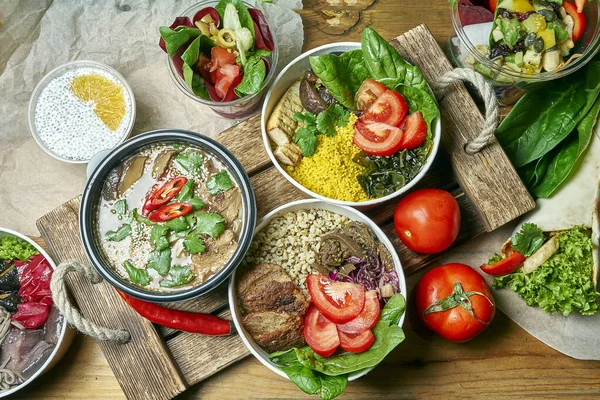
(221, 54)
(351, 123)
(518, 44)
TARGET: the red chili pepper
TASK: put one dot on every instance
(163, 194)
(205, 324)
(170, 211)
(507, 265)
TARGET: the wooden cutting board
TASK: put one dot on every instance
(159, 363)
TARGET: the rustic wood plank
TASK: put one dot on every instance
(143, 366)
(488, 177)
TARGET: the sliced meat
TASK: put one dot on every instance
(274, 331)
(360, 233)
(218, 252)
(252, 276)
(337, 247)
(161, 163)
(541, 256)
(135, 169)
(385, 256)
(228, 204)
(274, 296)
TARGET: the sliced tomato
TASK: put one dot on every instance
(367, 318)
(219, 57)
(163, 194)
(339, 302)
(224, 77)
(389, 108)
(170, 211)
(377, 138)
(493, 5)
(368, 92)
(356, 343)
(415, 131)
(320, 333)
(507, 265)
(578, 20)
(230, 96)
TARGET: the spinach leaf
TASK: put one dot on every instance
(180, 275)
(196, 203)
(193, 244)
(528, 240)
(313, 382)
(421, 100)
(220, 182)
(136, 275)
(177, 224)
(306, 139)
(175, 38)
(158, 237)
(255, 71)
(335, 115)
(386, 65)
(160, 261)
(191, 161)
(120, 208)
(120, 234)
(195, 82)
(245, 18)
(210, 224)
(187, 191)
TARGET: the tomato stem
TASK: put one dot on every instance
(458, 297)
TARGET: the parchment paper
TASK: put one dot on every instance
(38, 36)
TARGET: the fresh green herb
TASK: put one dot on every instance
(177, 224)
(12, 248)
(563, 283)
(160, 261)
(175, 38)
(210, 224)
(528, 240)
(187, 191)
(135, 215)
(196, 203)
(120, 234)
(120, 208)
(158, 237)
(327, 376)
(191, 161)
(335, 115)
(220, 182)
(193, 244)
(180, 275)
(137, 275)
(306, 139)
(307, 118)
(494, 258)
(324, 123)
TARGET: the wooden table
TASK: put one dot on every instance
(504, 361)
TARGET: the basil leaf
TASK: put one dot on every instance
(175, 38)
(136, 275)
(220, 182)
(121, 233)
(187, 191)
(179, 275)
(254, 76)
(193, 244)
(120, 208)
(528, 240)
(177, 224)
(157, 234)
(160, 261)
(306, 139)
(196, 203)
(210, 224)
(191, 161)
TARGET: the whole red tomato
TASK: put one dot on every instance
(427, 220)
(454, 301)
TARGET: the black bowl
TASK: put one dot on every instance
(91, 199)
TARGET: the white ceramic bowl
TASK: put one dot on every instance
(352, 214)
(65, 336)
(290, 74)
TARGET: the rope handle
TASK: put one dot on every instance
(70, 312)
(486, 91)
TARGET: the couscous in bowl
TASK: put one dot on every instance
(335, 154)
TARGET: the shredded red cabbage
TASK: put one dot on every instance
(369, 272)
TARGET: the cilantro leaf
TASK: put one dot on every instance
(334, 116)
(190, 161)
(178, 224)
(196, 203)
(220, 182)
(306, 139)
(528, 240)
(140, 219)
(210, 224)
(193, 244)
(120, 208)
(158, 237)
(306, 118)
(187, 191)
(180, 275)
(137, 275)
(160, 261)
(120, 234)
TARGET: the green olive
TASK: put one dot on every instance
(226, 38)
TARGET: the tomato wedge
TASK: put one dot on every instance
(356, 343)
(578, 19)
(415, 131)
(220, 57)
(320, 333)
(367, 318)
(224, 77)
(163, 194)
(170, 211)
(339, 302)
(377, 138)
(368, 92)
(507, 265)
(389, 108)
